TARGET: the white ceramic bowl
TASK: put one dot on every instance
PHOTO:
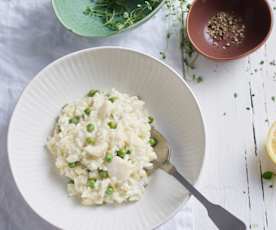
(167, 97)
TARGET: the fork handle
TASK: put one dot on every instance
(223, 219)
(191, 188)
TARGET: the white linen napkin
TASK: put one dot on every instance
(30, 38)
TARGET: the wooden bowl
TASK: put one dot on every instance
(256, 16)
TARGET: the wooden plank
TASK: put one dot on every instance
(236, 154)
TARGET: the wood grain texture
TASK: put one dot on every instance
(236, 132)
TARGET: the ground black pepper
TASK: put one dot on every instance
(226, 29)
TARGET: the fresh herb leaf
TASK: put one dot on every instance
(150, 119)
(197, 79)
(116, 14)
(268, 175)
(92, 93)
(163, 55)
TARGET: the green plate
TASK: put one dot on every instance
(70, 14)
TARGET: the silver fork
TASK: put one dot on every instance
(223, 219)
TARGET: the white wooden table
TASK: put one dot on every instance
(236, 132)
(237, 104)
(236, 126)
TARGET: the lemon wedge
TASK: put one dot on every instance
(271, 142)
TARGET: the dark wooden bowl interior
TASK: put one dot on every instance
(256, 16)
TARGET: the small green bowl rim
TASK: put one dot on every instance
(146, 18)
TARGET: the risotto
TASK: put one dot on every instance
(102, 144)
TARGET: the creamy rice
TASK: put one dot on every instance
(102, 144)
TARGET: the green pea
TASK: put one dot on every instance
(91, 183)
(74, 120)
(103, 174)
(90, 128)
(121, 152)
(151, 119)
(87, 111)
(109, 190)
(112, 99)
(153, 142)
(92, 93)
(90, 141)
(72, 164)
(112, 124)
(108, 157)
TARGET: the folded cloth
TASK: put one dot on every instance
(30, 38)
